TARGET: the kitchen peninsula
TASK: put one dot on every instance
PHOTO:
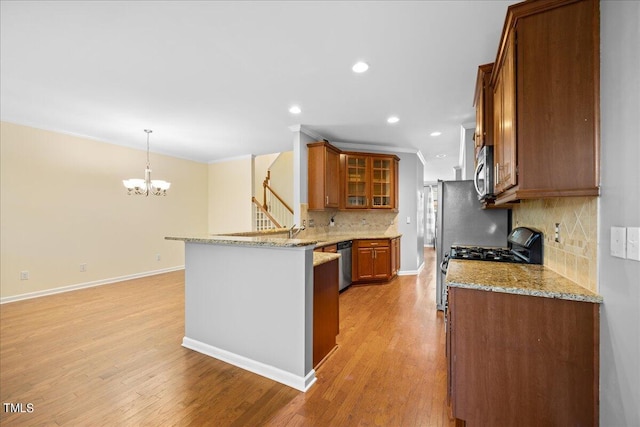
(249, 302)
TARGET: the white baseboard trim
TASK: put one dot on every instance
(411, 272)
(101, 282)
(287, 378)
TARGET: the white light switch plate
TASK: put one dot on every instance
(618, 242)
(633, 243)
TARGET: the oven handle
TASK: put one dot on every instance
(444, 264)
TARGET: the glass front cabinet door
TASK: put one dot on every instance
(381, 182)
(371, 182)
(357, 171)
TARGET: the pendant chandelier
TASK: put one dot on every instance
(147, 186)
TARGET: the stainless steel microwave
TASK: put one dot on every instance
(483, 176)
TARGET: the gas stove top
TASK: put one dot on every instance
(484, 254)
(525, 246)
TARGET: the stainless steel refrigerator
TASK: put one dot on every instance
(460, 220)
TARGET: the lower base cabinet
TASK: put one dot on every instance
(517, 360)
(325, 309)
(375, 260)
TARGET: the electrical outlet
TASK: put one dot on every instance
(408, 220)
(618, 242)
(83, 268)
(312, 222)
(364, 221)
(557, 232)
(158, 257)
(24, 275)
(633, 243)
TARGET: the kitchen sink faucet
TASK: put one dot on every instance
(293, 232)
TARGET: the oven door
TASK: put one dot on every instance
(482, 176)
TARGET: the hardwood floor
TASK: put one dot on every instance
(112, 355)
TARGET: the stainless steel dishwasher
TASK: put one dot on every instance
(344, 264)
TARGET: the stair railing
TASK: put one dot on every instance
(274, 204)
(262, 218)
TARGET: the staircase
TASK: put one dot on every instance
(272, 212)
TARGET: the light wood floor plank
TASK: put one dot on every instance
(112, 355)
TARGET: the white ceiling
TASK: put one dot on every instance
(215, 79)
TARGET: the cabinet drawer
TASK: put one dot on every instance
(374, 243)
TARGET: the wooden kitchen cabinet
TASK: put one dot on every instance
(325, 309)
(323, 176)
(375, 259)
(371, 181)
(350, 180)
(522, 360)
(546, 101)
(504, 148)
(395, 256)
(483, 103)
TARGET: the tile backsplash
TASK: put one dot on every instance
(348, 222)
(575, 255)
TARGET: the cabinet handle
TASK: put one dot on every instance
(327, 197)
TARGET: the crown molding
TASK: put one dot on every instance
(306, 131)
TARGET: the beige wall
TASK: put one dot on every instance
(282, 176)
(230, 190)
(63, 204)
(575, 256)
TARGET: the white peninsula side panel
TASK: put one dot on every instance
(252, 306)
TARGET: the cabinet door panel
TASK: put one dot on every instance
(364, 265)
(323, 176)
(332, 179)
(357, 186)
(504, 116)
(381, 263)
(508, 158)
(382, 183)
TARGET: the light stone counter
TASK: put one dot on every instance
(331, 239)
(320, 258)
(266, 240)
(511, 278)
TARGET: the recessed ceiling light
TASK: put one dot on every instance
(436, 134)
(393, 119)
(441, 156)
(360, 67)
(295, 110)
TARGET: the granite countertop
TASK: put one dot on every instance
(278, 238)
(278, 242)
(511, 278)
(331, 239)
(323, 257)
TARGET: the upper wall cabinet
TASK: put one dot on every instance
(545, 84)
(348, 180)
(324, 176)
(483, 102)
(371, 181)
